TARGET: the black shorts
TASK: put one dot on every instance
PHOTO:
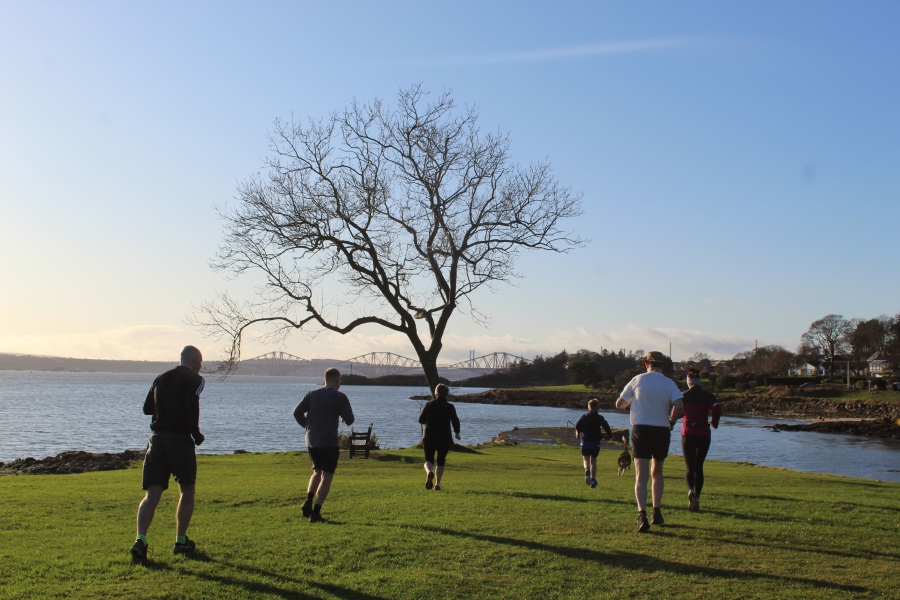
(324, 459)
(170, 454)
(591, 449)
(649, 441)
(441, 446)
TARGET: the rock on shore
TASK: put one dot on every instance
(513, 397)
(880, 428)
(811, 408)
(761, 406)
(75, 461)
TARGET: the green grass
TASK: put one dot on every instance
(512, 522)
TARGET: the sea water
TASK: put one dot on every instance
(45, 413)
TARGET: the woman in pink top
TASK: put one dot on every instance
(696, 435)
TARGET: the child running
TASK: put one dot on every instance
(588, 429)
(437, 417)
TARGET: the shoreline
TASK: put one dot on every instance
(742, 406)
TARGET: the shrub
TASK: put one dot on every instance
(752, 385)
(725, 382)
(344, 441)
(624, 377)
(742, 387)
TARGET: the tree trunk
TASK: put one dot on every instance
(429, 366)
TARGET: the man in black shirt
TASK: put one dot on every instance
(174, 402)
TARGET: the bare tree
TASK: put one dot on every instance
(829, 336)
(390, 217)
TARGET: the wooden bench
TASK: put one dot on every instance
(359, 441)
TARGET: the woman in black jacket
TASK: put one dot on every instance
(437, 417)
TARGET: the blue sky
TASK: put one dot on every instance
(739, 161)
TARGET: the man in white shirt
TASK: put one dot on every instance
(650, 396)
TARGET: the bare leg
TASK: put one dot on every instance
(314, 482)
(593, 467)
(147, 508)
(429, 468)
(587, 464)
(657, 483)
(641, 475)
(440, 473)
(324, 487)
(185, 509)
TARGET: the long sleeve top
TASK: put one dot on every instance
(697, 405)
(437, 417)
(174, 401)
(319, 412)
(589, 426)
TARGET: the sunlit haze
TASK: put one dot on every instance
(740, 162)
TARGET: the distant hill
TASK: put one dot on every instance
(27, 362)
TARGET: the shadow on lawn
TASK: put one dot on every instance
(643, 562)
(829, 502)
(259, 586)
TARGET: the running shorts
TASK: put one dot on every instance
(650, 441)
(589, 448)
(441, 446)
(324, 459)
(170, 454)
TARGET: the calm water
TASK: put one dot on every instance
(42, 414)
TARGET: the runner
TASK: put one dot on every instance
(174, 402)
(696, 435)
(588, 428)
(437, 417)
(319, 412)
(650, 396)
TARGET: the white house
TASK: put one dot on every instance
(807, 369)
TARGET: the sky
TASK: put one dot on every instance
(738, 161)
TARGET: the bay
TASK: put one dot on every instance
(45, 413)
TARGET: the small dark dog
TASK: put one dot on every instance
(624, 458)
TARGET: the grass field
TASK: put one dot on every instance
(512, 522)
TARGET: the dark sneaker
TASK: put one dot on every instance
(642, 525)
(306, 509)
(316, 517)
(695, 504)
(587, 476)
(691, 500)
(437, 487)
(186, 548)
(657, 517)
(429, 480)
(139, 552)
(593, 483)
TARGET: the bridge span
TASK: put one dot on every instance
(376, 364)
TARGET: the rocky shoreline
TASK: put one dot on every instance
(76, 461)
(754, 406)
(880, 428)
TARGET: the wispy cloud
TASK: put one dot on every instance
(564, 52)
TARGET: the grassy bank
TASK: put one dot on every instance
(512, 522)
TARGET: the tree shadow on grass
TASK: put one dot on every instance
(280, 591)
(795, 500)
(555, 498)
(643, 562)
(397, 458)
